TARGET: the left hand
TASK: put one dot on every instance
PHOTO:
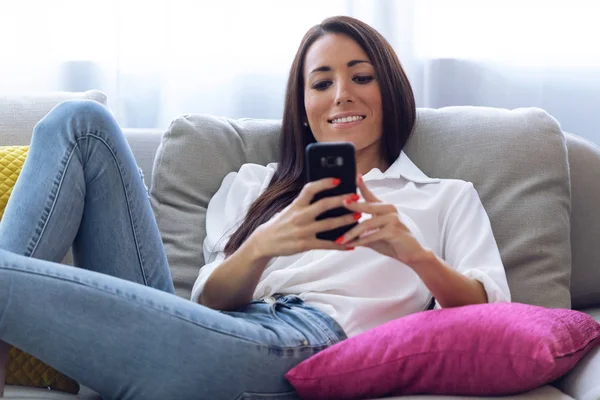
(384, 232)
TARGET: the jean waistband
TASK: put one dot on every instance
(318, 318)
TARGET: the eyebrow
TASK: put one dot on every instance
(350, 64)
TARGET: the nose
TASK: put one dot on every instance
(343, 94)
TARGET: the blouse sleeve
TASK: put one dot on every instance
(226, 211)
(470, 247)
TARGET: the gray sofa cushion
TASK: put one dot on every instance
(194, 156)
(517, 160)
(584, 162)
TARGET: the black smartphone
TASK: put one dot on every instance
(332, 160)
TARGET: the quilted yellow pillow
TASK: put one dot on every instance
(21, 368)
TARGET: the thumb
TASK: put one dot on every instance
(364, 190)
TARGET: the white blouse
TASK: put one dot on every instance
(362, 289)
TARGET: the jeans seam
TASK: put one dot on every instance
(273, 314)
(322, 327)
(5, 307)
(172, 313)
(62, 173)
(57, 186)
(95, 135)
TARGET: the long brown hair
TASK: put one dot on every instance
(398, 109)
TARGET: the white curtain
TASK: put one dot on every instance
(511, 54)
(159, 59)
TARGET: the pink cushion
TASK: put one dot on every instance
(484, 349)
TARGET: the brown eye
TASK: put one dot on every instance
(362, 79)
(322, 85)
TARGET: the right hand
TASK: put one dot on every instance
(294, 229)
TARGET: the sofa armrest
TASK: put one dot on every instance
(582, 382)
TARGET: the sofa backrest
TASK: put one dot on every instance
(255, 141)
(516, 159)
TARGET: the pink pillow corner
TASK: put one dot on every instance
(483, 349)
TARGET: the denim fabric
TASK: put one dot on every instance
(113, 322)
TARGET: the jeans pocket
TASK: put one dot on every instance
(268, 396)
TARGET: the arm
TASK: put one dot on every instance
(449, 287)
(471, 249)
(232, 284)
(229, 283)
(472, 271)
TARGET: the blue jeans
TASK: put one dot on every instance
(113, 322)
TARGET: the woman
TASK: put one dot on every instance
(272, 294)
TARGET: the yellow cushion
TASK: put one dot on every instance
(11, 162)
(23, 369)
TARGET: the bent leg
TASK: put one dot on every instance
(80, 186)
(125, 340)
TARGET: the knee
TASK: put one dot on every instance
(79, 115)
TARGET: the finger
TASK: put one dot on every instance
(319, 244)
(373, 224)
(328, 203)
(366, 240)
(378, 208)
(328, 224)
(364, 190)
(310, 189)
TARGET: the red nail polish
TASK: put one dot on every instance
(356, 216)
(350, 248)
(354, 197)
(336, 181)
(339, 240)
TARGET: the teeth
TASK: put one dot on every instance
(346, 119)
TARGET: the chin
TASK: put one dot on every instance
(334, 135)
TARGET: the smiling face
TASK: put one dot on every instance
(341, 94)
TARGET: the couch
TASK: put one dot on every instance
(536, 181)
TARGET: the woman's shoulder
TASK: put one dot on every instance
(454, 189)
(256, 171)
(248, 182)
(250, 176)
(406, 168)
(237, 192)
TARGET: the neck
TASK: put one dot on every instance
(369, 158)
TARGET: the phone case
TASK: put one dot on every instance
(332, 160)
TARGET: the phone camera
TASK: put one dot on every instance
(332, 161)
